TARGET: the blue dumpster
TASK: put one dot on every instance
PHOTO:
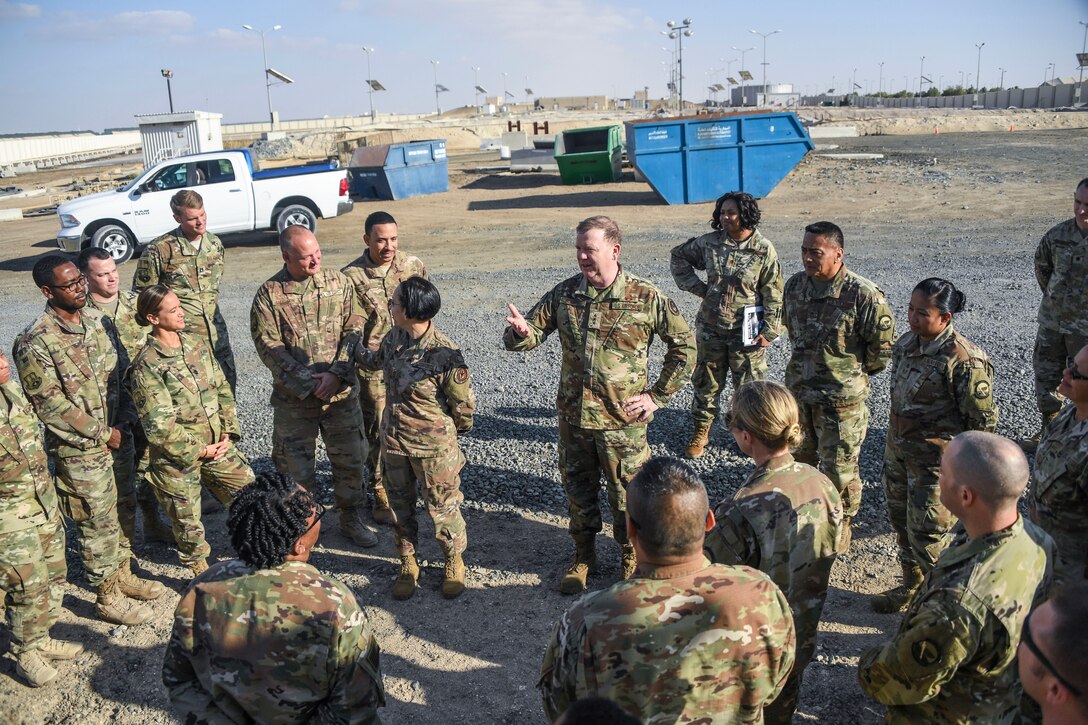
(399, 170)
(691, 160)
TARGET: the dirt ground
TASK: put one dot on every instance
(476, 659)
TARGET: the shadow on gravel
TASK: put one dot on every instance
(25, 264)
(490, 428)
(497, 182)
(583, 199)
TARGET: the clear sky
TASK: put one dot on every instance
(78, 64)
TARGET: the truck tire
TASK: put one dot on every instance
(296, 215)
(115, 240)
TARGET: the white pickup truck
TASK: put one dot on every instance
(237, 195)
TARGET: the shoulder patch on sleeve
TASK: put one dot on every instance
(32, 382)
(460, 376)
(982, 390)
(673, 308)
(925, 652)
(885, 322)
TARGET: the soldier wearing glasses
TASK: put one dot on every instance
(1058, 501)
(1053, 656)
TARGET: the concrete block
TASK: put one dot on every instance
(10, 215)
(832, 131)
(516, 140)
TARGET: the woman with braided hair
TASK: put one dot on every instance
(266, 636)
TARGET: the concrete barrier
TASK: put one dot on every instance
(832, 131)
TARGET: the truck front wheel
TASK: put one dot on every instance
(116, 241)
(296, 215)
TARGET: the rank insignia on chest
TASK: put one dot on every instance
(925, 652)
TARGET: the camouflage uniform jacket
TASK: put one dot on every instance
(375, 285)
(1059, 488)
(183, 398)
(70, 375)
(940, 388)
(429, 398)
(785, 521)
(703, 643)
(953, 658)
(280, 645)
(606, 342)
(130, 333)
(737, 274)
(27, 496)
(192, 274)
(841, 333)
(1061, 266)
(307, 327)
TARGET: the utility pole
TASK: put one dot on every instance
(369, 80)
(437, 106)
(764, 63)
(880, 83)
(978, 70)
(168, 74)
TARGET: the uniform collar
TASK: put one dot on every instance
(291, 286)
(726, 240)
(959, 552)
(165, 351)
(779, 462)
(832, 288)
(185, 246)
(66, 326)
(613, 292)
(934, 346)
(673, 571)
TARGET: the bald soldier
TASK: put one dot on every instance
(606, 319)
(683, 640)
(841, 332)
(952, 659)
(305, 322)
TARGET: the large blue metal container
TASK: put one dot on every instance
(399, 170)
(691, 160)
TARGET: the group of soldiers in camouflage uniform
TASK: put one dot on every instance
(355, 358)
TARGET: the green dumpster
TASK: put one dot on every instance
(590, 155)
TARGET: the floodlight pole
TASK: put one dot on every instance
(168, 74)
(978, 70)
(1083, 50)
(743, 83)
(264, 59)
(434, 64)
(764, 63)
(476, 89)
(677, 31)
(921, 75)
(369, 80)
(1001, 86)
(880, 83)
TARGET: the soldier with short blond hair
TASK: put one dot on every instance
(606, 319)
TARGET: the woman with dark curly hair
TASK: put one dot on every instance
(742, 275)
(266, 637)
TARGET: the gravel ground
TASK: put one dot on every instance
(970, 207)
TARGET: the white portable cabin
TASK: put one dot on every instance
(166, 135)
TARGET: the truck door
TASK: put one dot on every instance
(226, 193)
(151, 215)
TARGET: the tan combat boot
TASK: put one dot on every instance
(585, 563)
(897, 598)
(352, 527)
(699, 440)
(405, 585)
(847, 534)
(453, 582)
(134, 587)
(56, 649)
(155, 529)
(198, 567)
(382, 512)
(33, 668)
(113, 606)
(628, 561)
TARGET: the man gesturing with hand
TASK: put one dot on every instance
(606, 319)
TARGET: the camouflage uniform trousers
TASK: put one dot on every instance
(372, 405)
(721, 352)
(833, 438)
(32, 572)
(294, 439)
(440, 480)
(145, 492)
(583, 455)
(124, 476)
(922, 525)
(178, 491)
(1051, 350)
(87, 495)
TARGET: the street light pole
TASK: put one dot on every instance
(369, 80)
(880, 83)
(678, 32)
(978, 70)
(437, 107)
(168, 74)
(921, 75)
(264, 59)
(476, 90)
(764, 63)
(1001, 86)
(743, 83)
(1083, 50)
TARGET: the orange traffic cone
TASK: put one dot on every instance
(1012, 127)
(936, 130)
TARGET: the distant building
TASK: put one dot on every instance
(777, 94)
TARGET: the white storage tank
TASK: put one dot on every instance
(166, 135)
